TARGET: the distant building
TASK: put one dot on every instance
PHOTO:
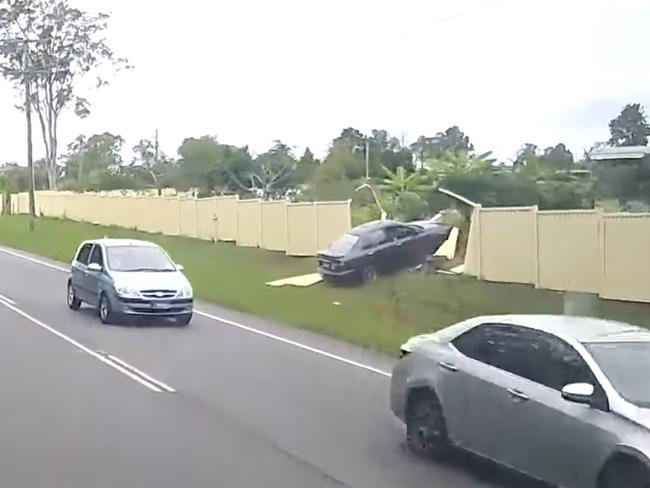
(608, 153)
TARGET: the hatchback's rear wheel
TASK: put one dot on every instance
(426, 430)
(73, 302)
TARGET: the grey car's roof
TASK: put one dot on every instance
(122, 242)
(581, 329)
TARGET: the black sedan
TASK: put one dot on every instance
(380, 247)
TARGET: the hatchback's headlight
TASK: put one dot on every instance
(127, 292)
(185, 292)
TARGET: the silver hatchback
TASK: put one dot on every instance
(565, 400)
(129, 278)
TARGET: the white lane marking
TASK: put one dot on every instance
(116, 366)
(7, 300)
(34, 260)
(299, 345)
(125, 365)
(232, 323)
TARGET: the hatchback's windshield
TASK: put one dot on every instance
(138, 258)
(343, 244)
(626, 365)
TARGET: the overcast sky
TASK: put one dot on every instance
(251, 71)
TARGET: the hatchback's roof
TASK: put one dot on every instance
(123, 242)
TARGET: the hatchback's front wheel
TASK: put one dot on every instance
(73, 302)
(106, 314)
(184, 319)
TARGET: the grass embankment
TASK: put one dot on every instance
(380, 315)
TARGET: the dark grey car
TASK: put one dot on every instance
(562, 399)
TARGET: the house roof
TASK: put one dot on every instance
(624, 152)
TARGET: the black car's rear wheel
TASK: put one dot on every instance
(71, 298)
(426, 430)
(368, 274)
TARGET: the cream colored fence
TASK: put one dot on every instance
(576, 250)
(299, 229)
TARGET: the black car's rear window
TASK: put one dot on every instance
(343, 244)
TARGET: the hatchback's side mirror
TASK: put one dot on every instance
(578, 393)
(94, 267)
(180, 267)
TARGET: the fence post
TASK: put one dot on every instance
(536, 240)
(479, 242)
(600, 217)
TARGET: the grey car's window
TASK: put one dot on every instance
(84, 253)
(528, 353)
(374, 239)
(96, 256)
(626, 365)
(137, 258)
(343, 244)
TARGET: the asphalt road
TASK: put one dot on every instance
(230, 401)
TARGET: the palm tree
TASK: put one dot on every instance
(400, 181)
(459, 162)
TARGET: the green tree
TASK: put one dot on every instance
(401, 190)
(630, 127)
(557, 157)
(95, 163)
(460, 162)
(62, 45)
(450, 141)
(150, 165)
(305, 167)
(272, 170)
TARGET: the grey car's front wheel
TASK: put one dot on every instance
(625, 472)
(426, 429)
(184, 319)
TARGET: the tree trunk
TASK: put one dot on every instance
(51, 175)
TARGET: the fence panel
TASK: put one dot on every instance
(274, 225)
(226, 223)
(508, 244)
(569, 256)
(249, 223)
(206, 209)
(187, 217)
(332, 221)
(626, 246)
(302, 231)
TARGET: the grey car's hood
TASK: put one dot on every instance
(148, 280)
(640, 416)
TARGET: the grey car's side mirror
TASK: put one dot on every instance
(94, 267)
(578, 392)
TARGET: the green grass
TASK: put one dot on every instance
(380, 315)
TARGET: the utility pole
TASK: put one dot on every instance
(367, 159)
(28, 117)
(155, 158)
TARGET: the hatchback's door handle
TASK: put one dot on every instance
(517, 394)
(447, 366)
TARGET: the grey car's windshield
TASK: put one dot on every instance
(625, 364)
(343, 244)
(138, 258)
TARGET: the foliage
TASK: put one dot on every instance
(450, 141)
(630, 127)
(460, 162)
(52, 46)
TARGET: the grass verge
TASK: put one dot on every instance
(381, 315)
